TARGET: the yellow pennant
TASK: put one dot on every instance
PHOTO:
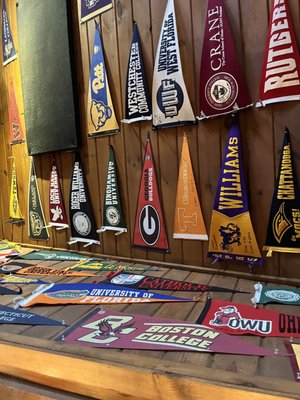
(188, 221)
(14, 208)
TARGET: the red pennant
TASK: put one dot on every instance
(281, 68)
(149, 231)
(16, 134)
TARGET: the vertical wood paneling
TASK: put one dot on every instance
(261, 129)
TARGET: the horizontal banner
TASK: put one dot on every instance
(268, 294)
(52, 256)
(45, 271)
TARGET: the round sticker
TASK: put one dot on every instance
(282, 295)
(149, 225)
(221, 91)
(112, 215)
(82, 223)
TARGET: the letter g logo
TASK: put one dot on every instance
(149, 225)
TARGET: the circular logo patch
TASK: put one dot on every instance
(126, 279)
(10, 268)
(112, 215)
(149, 225)
(169, 98)
(82, 223)
(221, 91)
(282, 295)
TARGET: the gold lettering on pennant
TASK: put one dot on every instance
(286, 190)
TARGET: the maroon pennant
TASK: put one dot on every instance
(223, 88)
(149, 232)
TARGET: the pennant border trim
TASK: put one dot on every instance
(189, 236)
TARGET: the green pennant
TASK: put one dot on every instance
(113, 219)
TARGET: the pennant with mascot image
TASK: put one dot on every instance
(16, 134)
(14, 208)
(137, 101)
(96, 264)
(149, 231)
(113, 219)
(52, 256)
(101, 114)
(39, 270)
(10, 315)
(37, 229)
(109, 329)
(188, 221)
(88, 293)
(269, 294)
(223, 88)
(156, 283)
(231, 232)
(294, 349)
(8, 48)
(280, 77)
(81, 218)
(241, 319)
(58, 217)
(13, 279)
(170, 102)
(91, 8)
(283, 233)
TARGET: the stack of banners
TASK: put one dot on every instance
(101, 114)
(9, 249)
(89, 293)
(9, 315)
(14, 208)
(231, 233)
(113, 219)
(91, 8)
(58, 216)
(13, 279)
(156, 283)
(170, 102)
(222, 86)
(8, 48)
(269, 294)
(118, 330)
(137, 101)
(16, 134)
(283, 234)
(39, 270)
(37, 229)
(52, 256)
(241, 319)
(149, 231)
(83, 227)
(4, 290)
(294, 349)
(281, 68)
(188, 221)
(96, 264)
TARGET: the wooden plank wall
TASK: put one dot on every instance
(261, 129)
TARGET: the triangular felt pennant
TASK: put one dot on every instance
(91, 8)
(10, 315)
(109, 329)
(241, 319)
(58, 216)
(223, 88)
(101, 114)
(8, 248)
(11, 267)
(231, 232)
(113, 219)
(149, 231)
(8, 48)
(5, 290)
(281, 67)
(283, 232)
(170, 102)
(97, 264)
(81, 217)
(88, 293)
(39, 270)
(52, 255)
(14, 208)
(146, 282)
(37, 229)
(294, 349)
(137, 100)
(16, 134)
(270, 294)
(188, 221)
(14, 279)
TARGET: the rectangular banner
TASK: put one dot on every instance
(101, 115)
(97, 264)
(170, 102)
(46, 271)
(269, 294)
(14, 207)
(88, 293)
(52, 256)
(223, 88)
(137, 98)
(108, 329)
(10, 315)
(281, 67)
(16, 134)
(149, 231)
(294, 348)
(231, 232)
(188, 220)
(241, 319)
(8, 48)
(283, 234)
(91, 8)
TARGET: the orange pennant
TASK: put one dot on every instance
(16, 134)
